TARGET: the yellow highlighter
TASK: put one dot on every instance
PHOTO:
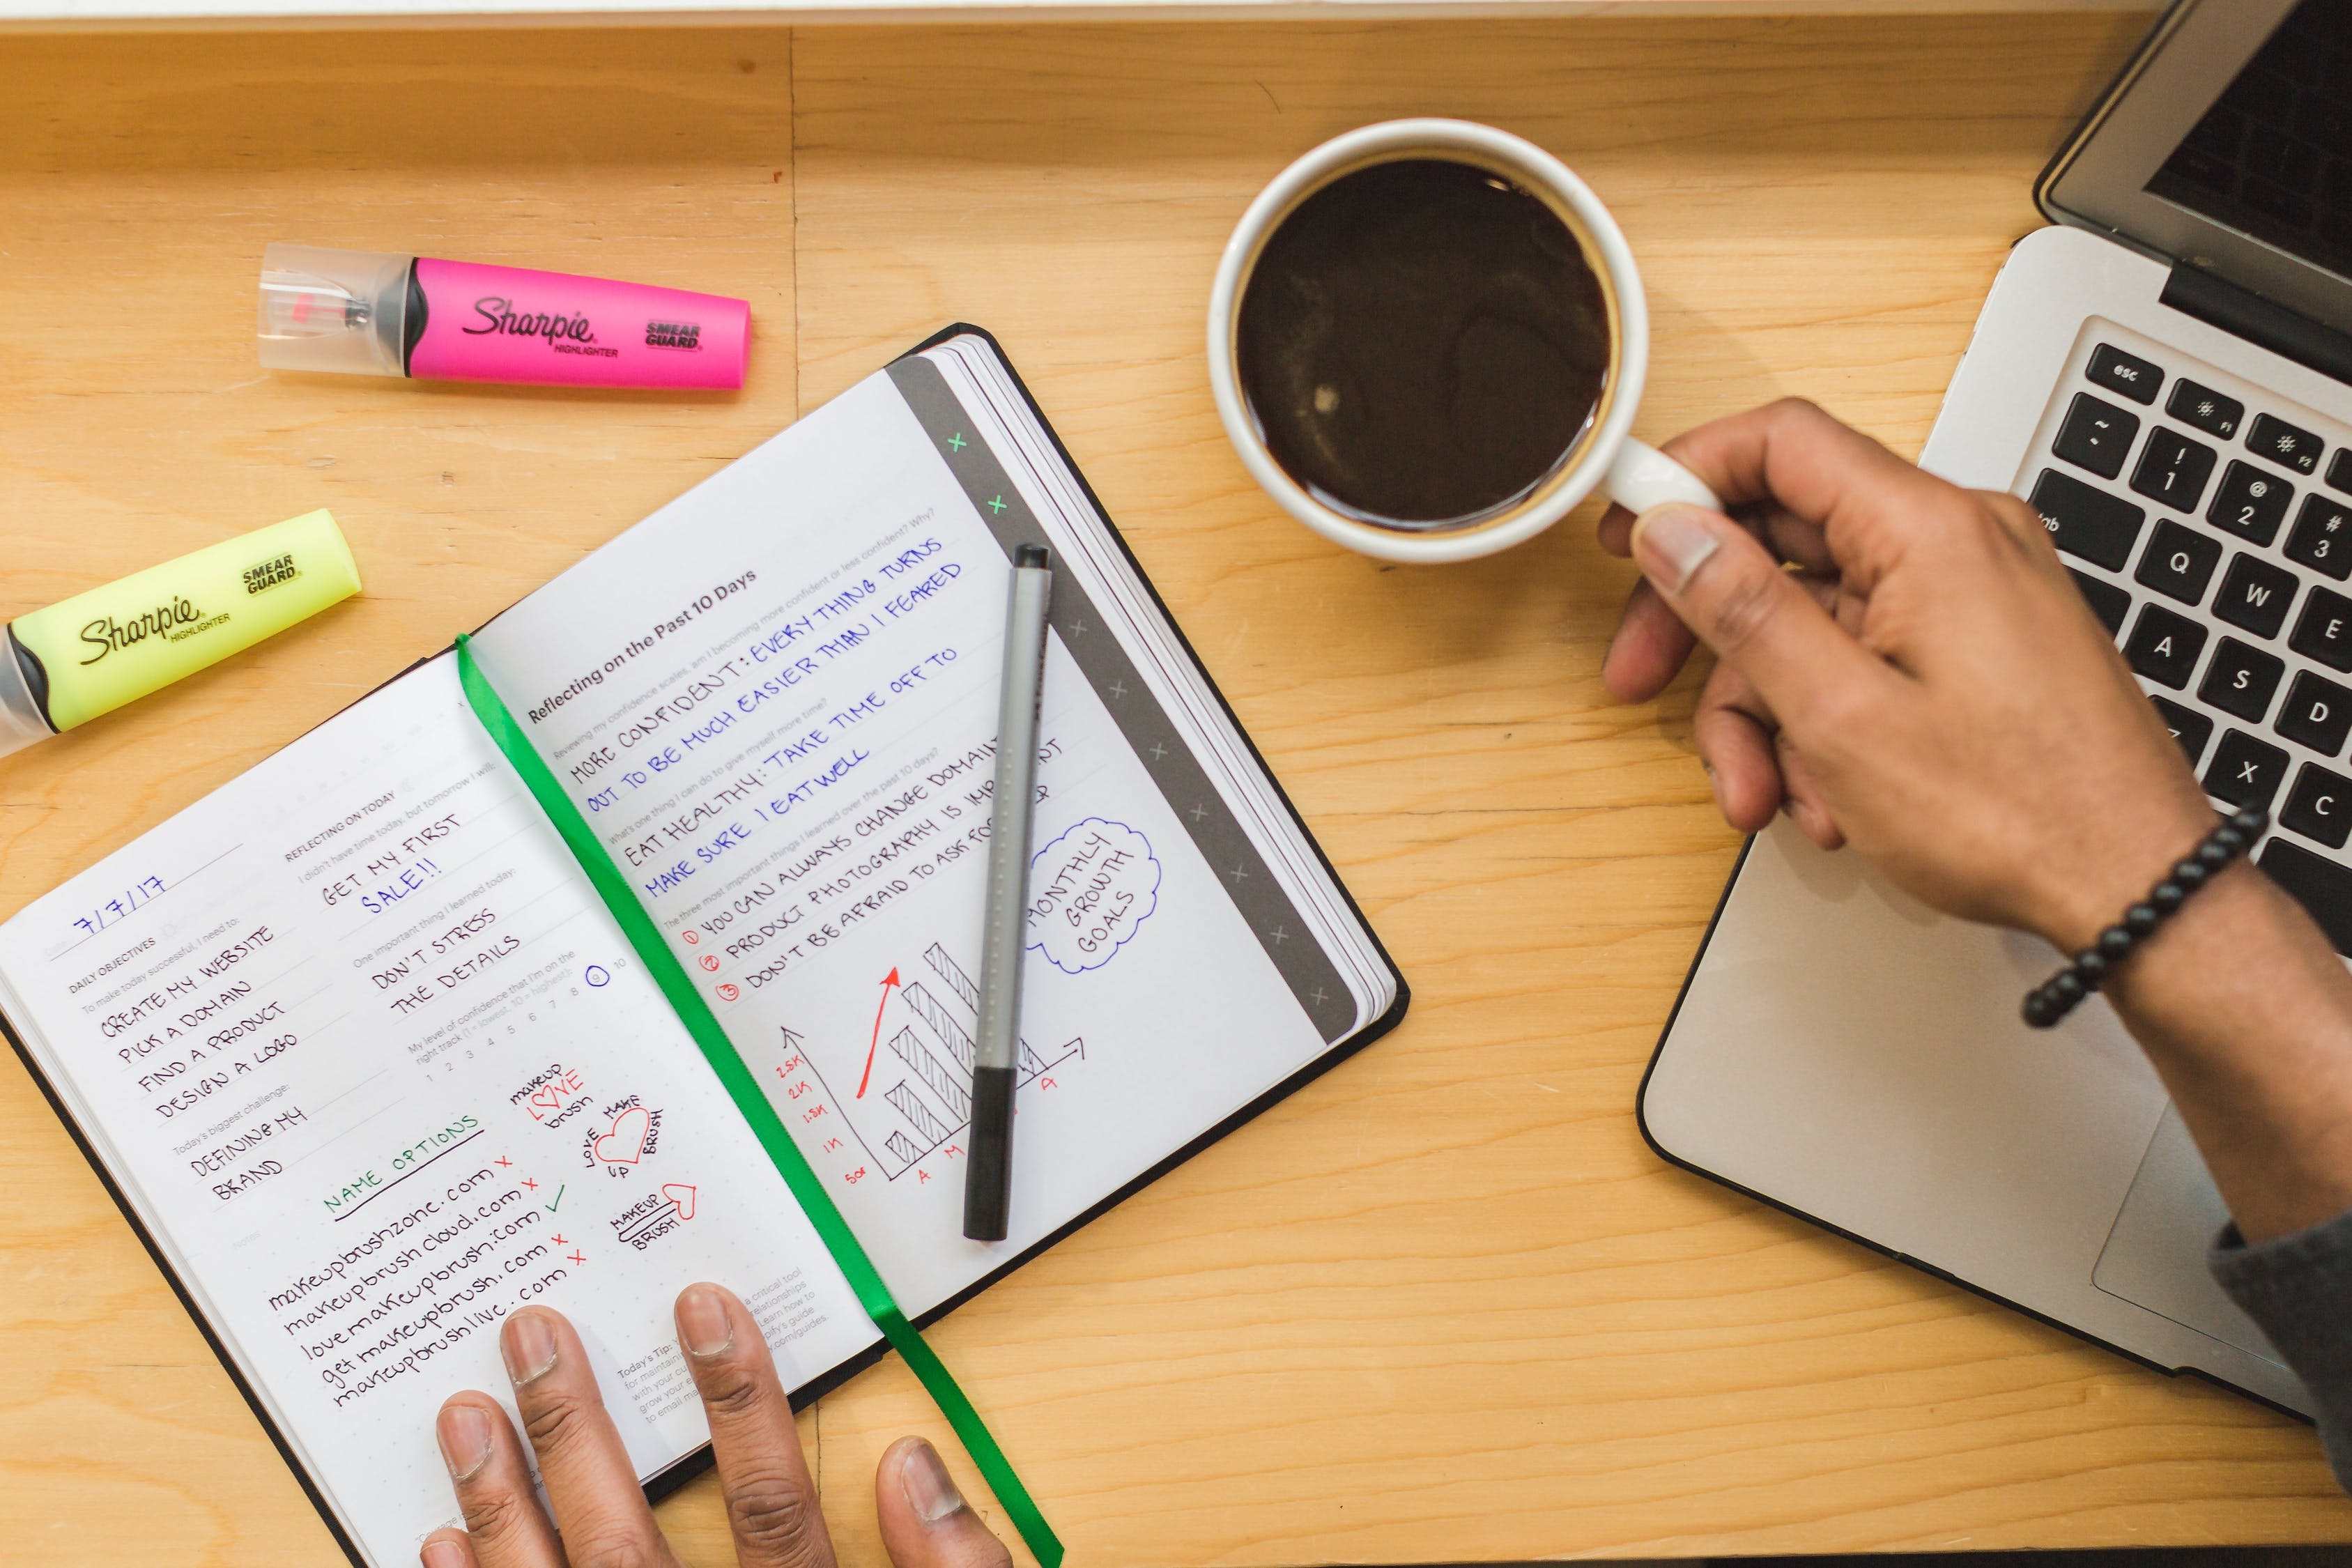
(95, 651)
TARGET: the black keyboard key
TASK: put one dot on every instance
(2245, 772)
(2215, 412)
(2285, 444)
(2319, 805)
(2339, 471)
(2255, 594)
(2127, 376)
(2085, 522)
(2320, 886)
(2317, 714)
(2324, 631)
(2172, 469)
(2095, 435)
(2189, 727)
(2107, 602)
(2179, 562)
(2164, 646)
(2249, 503)
(2321, 536)
(2241, 680)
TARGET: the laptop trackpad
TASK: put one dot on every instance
(2155, 1255)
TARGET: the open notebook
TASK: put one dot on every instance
(370, 1064)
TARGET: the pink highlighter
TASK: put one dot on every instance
(367, 313)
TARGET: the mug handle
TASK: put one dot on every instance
(1642, 477)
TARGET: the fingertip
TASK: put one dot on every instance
(925, 1523)
(1649, 649)
(1615, 531)
(446, 1549)
(464, 1429)
(921, 1477)
(531, 1342)
(1815, 824)
(706, 1319)
(1629, 674)
(1738, 754)
(1672, 542)
(1749, 801)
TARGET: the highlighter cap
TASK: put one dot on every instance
(22, 722)
(341, 310)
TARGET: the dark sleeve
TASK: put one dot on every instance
(2298, 1288)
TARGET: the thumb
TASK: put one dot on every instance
(926, 1523)
(1730, 591)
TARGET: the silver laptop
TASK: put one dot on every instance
(2167, 375)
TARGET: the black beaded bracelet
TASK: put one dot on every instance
(2058, 995)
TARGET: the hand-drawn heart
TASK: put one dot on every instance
(682, 1196)
(625, 1143)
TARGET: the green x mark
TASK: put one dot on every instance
(996, 505)
(956, 442)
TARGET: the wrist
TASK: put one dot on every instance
(2095, 892)
(2245, 1011)
(2226, 927)
(2097, 962)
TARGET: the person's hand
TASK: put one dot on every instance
(1921, 679)
(601, 1517)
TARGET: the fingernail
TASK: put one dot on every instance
(1671, 542)
(702, 1322)
(443, 1554)
(928, 1485)
(528, 1345)
(465, 1434)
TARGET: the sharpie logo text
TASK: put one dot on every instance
(169, 621)
(499, 316)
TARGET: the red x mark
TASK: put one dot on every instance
(577, 1259)
(529, 1186)
(560, 1241)
(503, 1161)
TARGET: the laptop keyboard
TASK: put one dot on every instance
(2210, 528)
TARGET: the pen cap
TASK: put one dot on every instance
(346, 311)
(22, 721)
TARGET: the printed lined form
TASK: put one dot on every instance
(385, 1071)
(375, 1068)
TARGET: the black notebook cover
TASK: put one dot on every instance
(676, 1475)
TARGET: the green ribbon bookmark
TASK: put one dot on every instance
(692, 1011)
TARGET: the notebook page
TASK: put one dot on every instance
(983, 382)
(376, 1069)
(1216, 806)
(775, 701)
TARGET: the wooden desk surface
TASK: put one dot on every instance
(1443, 1305)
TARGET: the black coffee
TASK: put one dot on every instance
(1423, 343)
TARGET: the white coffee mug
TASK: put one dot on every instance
(1629, 473)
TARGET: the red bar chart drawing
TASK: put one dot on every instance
(918, 1097)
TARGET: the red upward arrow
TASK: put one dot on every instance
(868, 1076)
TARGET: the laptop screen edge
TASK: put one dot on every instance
(2098, 180)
